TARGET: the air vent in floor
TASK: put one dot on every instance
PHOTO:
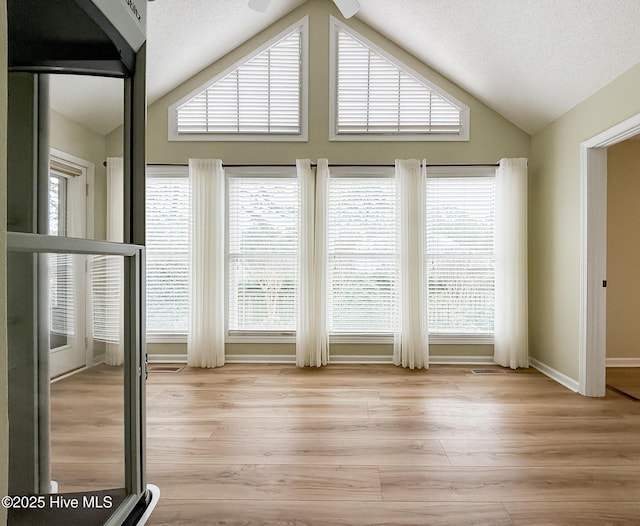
(487, 371)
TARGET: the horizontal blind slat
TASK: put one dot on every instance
(168, 219)
(376, 96)
(263, 216)
(362, 255)
(460, 226)
(262, 95)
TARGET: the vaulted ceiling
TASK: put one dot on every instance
(530, 60)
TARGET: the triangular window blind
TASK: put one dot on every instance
(260, 95)
(377, 95)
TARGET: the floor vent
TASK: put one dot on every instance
(160, 368)
(487, 371)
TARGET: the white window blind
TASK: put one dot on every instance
(460, 230)
(376, 96)
(362, 255)
(263, 217)
(61, 269)
(167, 241)
(261, 96)
(106, 288)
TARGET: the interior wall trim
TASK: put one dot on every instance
(623, 362)
(554, 374)
(345, 359)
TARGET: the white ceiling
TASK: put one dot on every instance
(530, 60)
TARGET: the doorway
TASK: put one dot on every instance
(623, 261)
(593, 254)
(67, 211)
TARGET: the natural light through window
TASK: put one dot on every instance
(460, 227)
(263, 216)
(262, 97)
(376, 95)
(362, 255)
(167, 255)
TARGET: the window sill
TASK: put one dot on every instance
(461, 339)
(260, 337)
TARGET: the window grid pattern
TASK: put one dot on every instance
(167, 255)
(261, 96)
(263, 224)
(374, 96)
(460, 232)
(363, 271)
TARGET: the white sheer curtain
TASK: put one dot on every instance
(115, 265)
(411, 342)
(312, 340)
(205, 341)
(511, 333)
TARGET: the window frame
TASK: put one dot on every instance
(335, 26)
(303, 25)
(252, 336)
(160, 171)
(458, 172)
(366, 172)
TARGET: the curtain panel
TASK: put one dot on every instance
(411, 342)
(511, 315)
(205, 339)
(312, 339)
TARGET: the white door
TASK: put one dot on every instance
(67, 276)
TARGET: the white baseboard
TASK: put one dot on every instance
(346, 359)
(461, 360)
(167, 358)
(100, 358)
(623, 362)
(556, 375)
(361, 359)
(260, 358)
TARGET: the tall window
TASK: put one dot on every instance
(263, 215)
(460, 254)
(376, 97)
(362, 253)
(167, 222)
(261, 97)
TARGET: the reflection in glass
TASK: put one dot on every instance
(87, 406)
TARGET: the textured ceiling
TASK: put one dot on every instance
(184, 36)
(530, 60)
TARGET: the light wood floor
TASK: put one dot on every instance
(373, 445)
(625, 380)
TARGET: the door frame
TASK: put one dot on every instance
(593, 253)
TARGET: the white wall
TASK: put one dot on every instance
(73, 138)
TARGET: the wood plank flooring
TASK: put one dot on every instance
(375, 444)
(624, 379)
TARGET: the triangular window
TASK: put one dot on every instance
(376, 95)
(260, 97)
